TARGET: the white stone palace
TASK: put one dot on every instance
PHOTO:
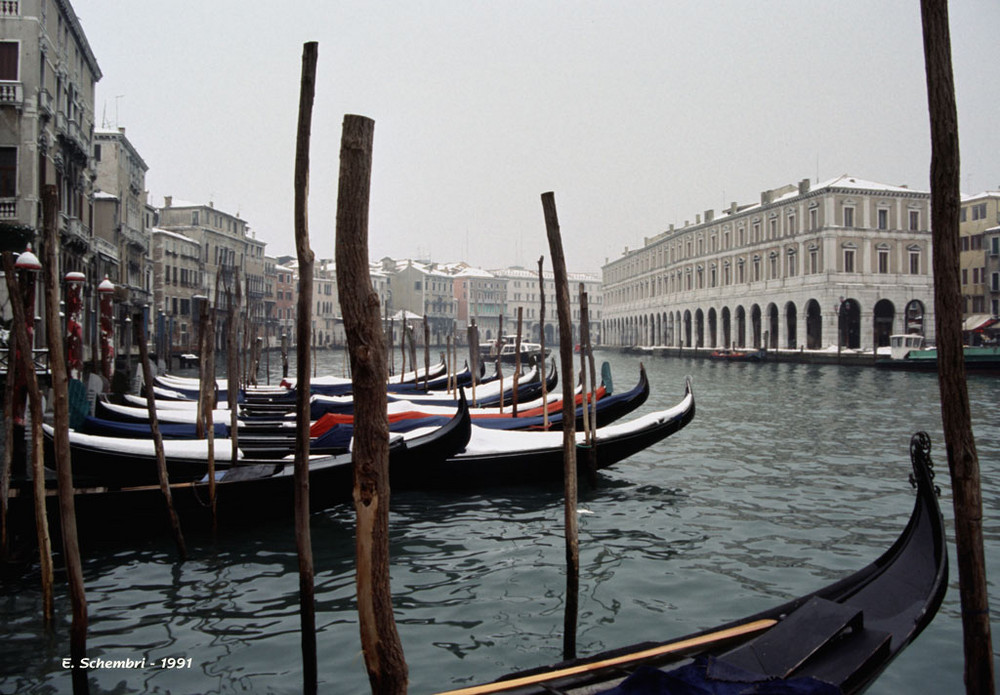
(842, 264)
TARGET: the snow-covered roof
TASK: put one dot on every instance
(175, 235)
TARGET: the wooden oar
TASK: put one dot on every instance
(671, 648)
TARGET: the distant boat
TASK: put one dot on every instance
(909, 351)
(739, 355)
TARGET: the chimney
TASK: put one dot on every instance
(766, 197)
(168, 200)
(734, 208)
(697, 219)
(803, 186)
(709, 215)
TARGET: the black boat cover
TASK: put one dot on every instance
(693, 679)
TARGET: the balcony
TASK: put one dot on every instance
(8, 208)
(11, 94)
(105, 248)
(9, 8)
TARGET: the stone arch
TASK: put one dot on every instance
(814, 325)
(755, 325)
(727, 333)
(913, 317)
(772, 326)
(687, 328)
(741, 327)
(849, 324)
(699, 328)
(791, 325)
(713, 328)
(883, 318)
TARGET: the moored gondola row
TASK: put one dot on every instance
(438, 440)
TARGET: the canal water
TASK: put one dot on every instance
(789, 477)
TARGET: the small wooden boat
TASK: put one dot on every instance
(837, 639)
(739, 355)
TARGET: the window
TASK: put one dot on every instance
(756, 268)
(772, 228)
(995, 283)
(416, 285)
(914, 261)
(9, 52)
(848, 260)
(792, 265)
(755, 235)
(883, 218)
(848, 216)
(995, 246)
(740, 272)
(965, 276)
(914, 220)
(8, 172)
(774, 265)
(813, 260)
(792, 228)
(883, 260)
(814, 219)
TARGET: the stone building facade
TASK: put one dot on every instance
(977, 215)
(844, 264)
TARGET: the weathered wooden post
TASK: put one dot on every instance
(541, 336)
(427, 351)
(154, 427)
(284, 355)
(233, 363)
(5, 465)
(380, 641)
(106, 292)
(206, 396)
(60, 414)
(589, 392)
(963, 461)
(569, 424)
(402, 348)
(26, 366)
(517, 361)
(74, 323)
(303, 536)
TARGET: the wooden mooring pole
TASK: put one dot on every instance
(542, 367)
(154, 428)
(303, 537)
(60, 415)
(383, 650)
(568, 426)
(37, 462)
(963, 461)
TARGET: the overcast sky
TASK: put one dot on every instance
(637, 114)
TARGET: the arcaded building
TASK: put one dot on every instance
(845, 263)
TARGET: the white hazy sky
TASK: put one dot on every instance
(637, 114)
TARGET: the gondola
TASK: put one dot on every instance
(838, 639)
(245, 493)
(496, 457)
(116, 462)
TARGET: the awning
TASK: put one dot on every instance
(977, 322)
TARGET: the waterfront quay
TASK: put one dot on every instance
(831, 355)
